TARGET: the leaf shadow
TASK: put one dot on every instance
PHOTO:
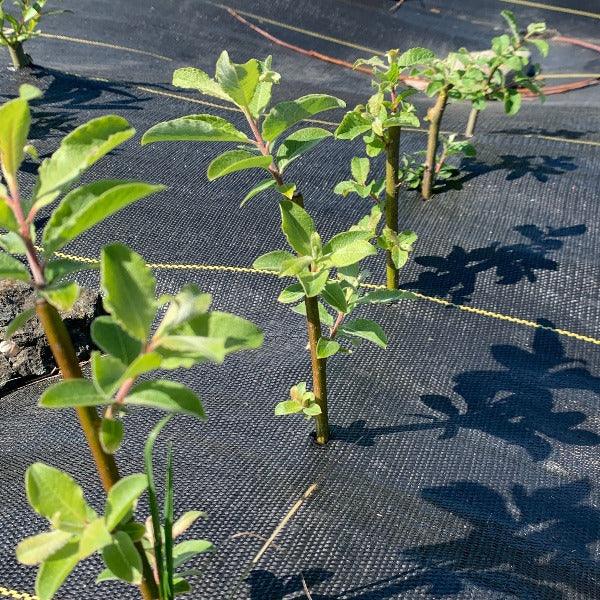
(455, 275)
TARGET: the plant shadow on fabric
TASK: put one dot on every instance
(264, 585)
(564, 133)
(456, 275)
(540, 167)
(534, 543)
(67, 94)
(514, 403)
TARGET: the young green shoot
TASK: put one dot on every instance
(187, 335)
(379, 121)
(16, 29)
(506, 68)
(248, 87)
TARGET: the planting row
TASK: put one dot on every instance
(143, 333)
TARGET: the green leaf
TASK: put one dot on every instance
(88, 205)
(78, 151)
(107, 371)
(201, 348)
(312, 411)
(415, 56)
(367, 330)
(238, 81)
(169, 396)
(298, 226)
(168, 522)
(511, 21)
(106, 575)
(11, 268)
(196, 79)
(399, 256)
(71, 393)
(129, 289)
(236, 160)
(184, 551)
(12, 243)
(298, 143)
(288, 407)
(292, 293)
(63, 296)
(324, 316)
(536, 28)
(14, 129)
(542, 46)
(194, 128)
(55, 270)
(56, 496)
(272, 261)
(347, 248)
(133, 529)
(149, 361)
(384, 296)
(360, 168)
(512, 101)
(7, 217)
(186, 521)
(313, 283)
(112, 339)
(403, 119)
(123, 559)
(263, 186)
(327, 348)
(93, 538)
(29, 92)
(262, 94)
(353, 124)
(55, 570)
(287, 190)
(334, 295)
(122, 497)
(228, 333)
(285, 114)
(111, 434)
(18, 322)
(295, 266)
(33, 550)
(187, 304)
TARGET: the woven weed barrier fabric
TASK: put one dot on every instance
(464, 462)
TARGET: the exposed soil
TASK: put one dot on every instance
(27, 355)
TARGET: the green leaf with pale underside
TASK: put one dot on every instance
(236, 160)
(194, 128)
(285, 114)
(77, 152)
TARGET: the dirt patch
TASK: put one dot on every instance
(27, 355)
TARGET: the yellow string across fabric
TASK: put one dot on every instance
(76, 40)
(8, 593)
(250, 270)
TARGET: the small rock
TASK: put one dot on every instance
(27, 355)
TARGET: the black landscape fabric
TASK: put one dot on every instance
(464, 462)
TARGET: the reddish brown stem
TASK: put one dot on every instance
(416, 82)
